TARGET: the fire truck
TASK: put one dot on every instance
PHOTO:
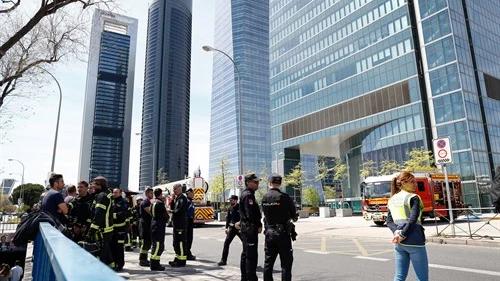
(431, 188)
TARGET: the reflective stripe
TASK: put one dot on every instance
(129, 241)
(119, 224)
(143, 251)
(121, 241)
(114, 216)
(108, 229)
(101, 206)
(153, 210)
(154, 256)
(94, 226)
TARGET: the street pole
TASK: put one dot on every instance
(58, 118)
(211, 49)
(22, 180)
(450, 206)
(154, 157)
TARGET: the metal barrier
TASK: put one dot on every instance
(9, 222)
(469, 224)
(56, 258)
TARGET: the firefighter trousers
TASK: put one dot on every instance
(249, 255)
(145, 239)
(278, 243)
(180, 244)
(158, 241)
(231, 233)
(105, 254)
(117, 250)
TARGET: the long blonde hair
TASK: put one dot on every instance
(398, 182)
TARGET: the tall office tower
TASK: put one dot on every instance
(165, 109)
(107, 114)
(242, 32)
(371, 80)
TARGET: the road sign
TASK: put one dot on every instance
(239, 181)
(442, 151)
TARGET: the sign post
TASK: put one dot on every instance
(443, 156)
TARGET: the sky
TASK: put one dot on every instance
(30, 137)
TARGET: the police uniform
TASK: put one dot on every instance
(101, 228)
(179, 206)
(120, 210)
(233, 217)
(158, 224)
(190, 226)
(250, 224)
(145, 232)
(278, 210)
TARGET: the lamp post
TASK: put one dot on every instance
(58, 117)
(154, 156)
(212, 49)
(277, 163)
(22, 180)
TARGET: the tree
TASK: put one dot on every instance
(31, 191)
(5, 205)
(45, 36)
(388, 167)
(340, 170)
(311, 196)
(329, 192)
(162, 176)
(367, 169)
(221, 181)
(419, 158)
(296, 178)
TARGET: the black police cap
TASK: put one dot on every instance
(275, 178)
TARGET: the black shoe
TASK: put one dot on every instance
(128, 249)
(191, 258)
(144, 263)
(155, 266)
(178, 264)
(117, 269)
(221, 263)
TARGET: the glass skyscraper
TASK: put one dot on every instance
(371, 80)
(105, 146)
(241, 31)
(165, 111)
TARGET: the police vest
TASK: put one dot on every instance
(400, 208)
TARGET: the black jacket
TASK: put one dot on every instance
(80, 209)
(179, 207)
(120, 214)
(249, 209)
(159, 217)
(278, 207)
(233, 216)
(103, 211)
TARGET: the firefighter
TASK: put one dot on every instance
(120, 208)
(279, 210)
(251, 226)
(233, 217)
(80, 212)
(159, 222)
(145, 227)
(128, 227)
(179, 207)
(190, 224)
(135, 222)
(101, 228)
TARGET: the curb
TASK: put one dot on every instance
(466, 241)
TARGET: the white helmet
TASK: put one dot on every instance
(138, 198)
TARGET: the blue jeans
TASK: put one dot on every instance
(417, 255)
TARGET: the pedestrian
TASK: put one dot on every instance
(178, 208)
(251, 226)
(159, 222)
(101, 228)
(71, 194)
(80, 211)
(233, 217)
(17, 271)
(190, 224)
(120, 212)
(5, 272)
(404, 220)
(279, 211)
(53, 201)
(145, 227)
(135, 222)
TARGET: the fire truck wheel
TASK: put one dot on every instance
(379, 223)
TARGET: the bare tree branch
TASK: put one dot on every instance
(12, 8)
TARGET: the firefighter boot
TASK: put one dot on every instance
(143, 260)
(155, 265)
(178, 263)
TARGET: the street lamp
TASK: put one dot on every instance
(58, 117)
(22, 179)
(212, 49)
(154, 156)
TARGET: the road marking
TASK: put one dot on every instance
(360, 247)
(316, 252)
(370, 258)
(323, 244)
(486, 272)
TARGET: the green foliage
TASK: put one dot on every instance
(323, 169)
(388, 167)
(259, 194)
(32, 192)
(221, 181)
(296, 177)
(329, 192)
(5, 205)
(311, 196)
(419, 158)
(161, 176)
(367, 169)
(340, 170)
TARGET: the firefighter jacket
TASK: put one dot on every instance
(405, 211)
(159, 218)
(80, 210)
(179, 207)
(102, 211)
(120, 214)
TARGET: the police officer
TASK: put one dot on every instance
(159, 222)
(233, 217)
(178, 208)
(145, 227)
(278, 210)
(251, 226)
(80, 211)
(120, 211)
(190, 224)
(101, 228)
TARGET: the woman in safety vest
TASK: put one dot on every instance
(405, 211)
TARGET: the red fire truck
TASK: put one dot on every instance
(431, 187)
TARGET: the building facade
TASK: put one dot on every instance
(105, 145)
(242, 32)
(371, 80)
(166, 103)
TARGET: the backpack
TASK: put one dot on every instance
(28, 228)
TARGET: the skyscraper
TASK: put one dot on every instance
(242, 32)
(165, 111)
(371, 80)
(105, 146)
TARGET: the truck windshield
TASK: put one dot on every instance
(377, 190)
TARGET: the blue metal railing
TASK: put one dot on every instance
(56, 258)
